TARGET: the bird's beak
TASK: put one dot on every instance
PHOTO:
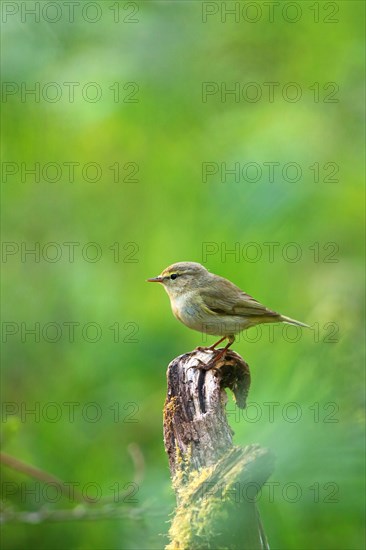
(157, 279)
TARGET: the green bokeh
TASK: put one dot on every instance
(170, 214)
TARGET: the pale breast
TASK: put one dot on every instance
(187, 311)
(190, 313)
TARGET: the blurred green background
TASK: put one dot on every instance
(162, 213)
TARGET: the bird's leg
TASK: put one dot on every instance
(217, 343)
(204, 348)
(212, 364)
(223, 351)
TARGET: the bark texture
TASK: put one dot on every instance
(215, 482)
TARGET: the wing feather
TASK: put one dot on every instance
(233, 301)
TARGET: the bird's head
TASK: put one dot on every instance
(182, 277)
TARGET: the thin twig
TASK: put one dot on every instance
(31, 471)
(37, 473)
(79, 513)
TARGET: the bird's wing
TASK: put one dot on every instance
(234, 302)
(248, 306)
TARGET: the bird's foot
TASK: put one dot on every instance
(205, 366)
(206, 348)
(217, 355)
(203, 348)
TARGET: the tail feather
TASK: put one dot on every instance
(290, 321)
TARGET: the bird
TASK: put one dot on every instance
(211, 304)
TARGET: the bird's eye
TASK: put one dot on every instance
(173, 276)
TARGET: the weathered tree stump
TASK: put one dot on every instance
(215, 482)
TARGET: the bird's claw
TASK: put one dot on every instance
(204, 366)
(203, 348)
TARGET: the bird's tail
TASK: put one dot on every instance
(290, 321)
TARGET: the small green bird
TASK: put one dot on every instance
(211, 304)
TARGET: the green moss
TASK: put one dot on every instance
(202, 512)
